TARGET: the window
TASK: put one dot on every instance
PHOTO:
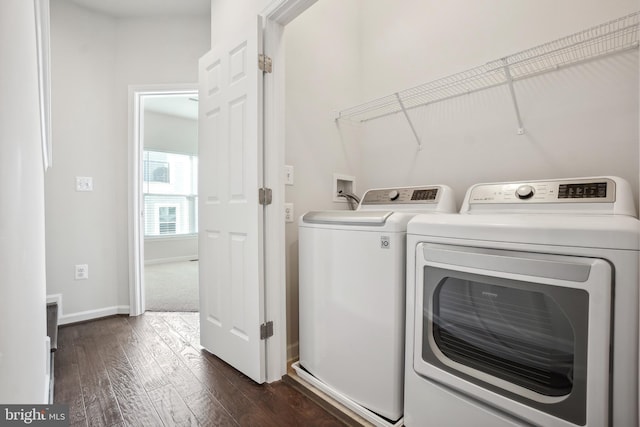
(167, 219)
(170, 194)
(155, 171)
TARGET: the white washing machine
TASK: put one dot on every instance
(523, 309)
(352, 296)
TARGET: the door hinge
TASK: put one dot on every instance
(266, 330)
(264, 196)
(264, 63)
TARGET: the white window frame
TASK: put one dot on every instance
(136, 180)
(156, 213)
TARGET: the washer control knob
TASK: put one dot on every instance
(525, 192)
(393, 195)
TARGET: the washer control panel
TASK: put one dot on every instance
(408, 195)
(558, 191)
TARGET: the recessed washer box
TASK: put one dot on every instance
(341, 182)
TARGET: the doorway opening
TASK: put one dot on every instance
(278, 14)
(165, 198)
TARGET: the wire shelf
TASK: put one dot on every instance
(605, 39)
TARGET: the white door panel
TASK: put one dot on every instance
(230, 217)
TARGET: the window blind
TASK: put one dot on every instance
(170, 193)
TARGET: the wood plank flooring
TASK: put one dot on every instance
(149, 371)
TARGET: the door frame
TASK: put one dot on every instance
(136, 230)
(276, 16)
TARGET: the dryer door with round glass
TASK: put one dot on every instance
(524, 332)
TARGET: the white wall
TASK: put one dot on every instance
(410, 42)
(172, 134)
(323, 71)
(579, 121)
(22, 248)
(159, 250)
(229, 15)
(94, 60)
(82, 228)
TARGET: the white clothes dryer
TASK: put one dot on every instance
(352, 296)
(523, 309)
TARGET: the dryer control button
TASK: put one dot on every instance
(393, 194)
(524, 192)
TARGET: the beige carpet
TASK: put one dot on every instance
(171, 286)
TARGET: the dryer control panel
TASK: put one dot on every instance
(557, 191)
(599, 195)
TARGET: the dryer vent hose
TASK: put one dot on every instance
(353, 200)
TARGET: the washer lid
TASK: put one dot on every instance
(347, 217)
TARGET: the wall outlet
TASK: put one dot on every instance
(84, 183)
(82, 271)
(288, 212)
(288, 175)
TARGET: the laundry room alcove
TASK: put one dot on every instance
(576, 92)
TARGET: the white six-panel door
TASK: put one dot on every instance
(230, 216)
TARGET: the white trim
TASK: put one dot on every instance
(136, 299)
(171, 259)
(47, 371)
(43, 46)
(276, 15)
(81, 316)
(276, 285)
(136, 238)
(57, 298)
(171, 237)
(98, 313)
(284, 11)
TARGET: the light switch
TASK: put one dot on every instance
(84, 183)
(288, 175)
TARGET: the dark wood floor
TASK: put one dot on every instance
(148, 371)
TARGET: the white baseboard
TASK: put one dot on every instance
(83, 316)
(173, 259)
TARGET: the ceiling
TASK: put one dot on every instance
(147, 8)
(185, 106)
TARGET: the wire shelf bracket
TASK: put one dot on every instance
(413, 129)
(514, 99)
(606, 39)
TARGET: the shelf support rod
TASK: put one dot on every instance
(507, 74)
(413, 129)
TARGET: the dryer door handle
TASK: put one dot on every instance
(508, 262)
